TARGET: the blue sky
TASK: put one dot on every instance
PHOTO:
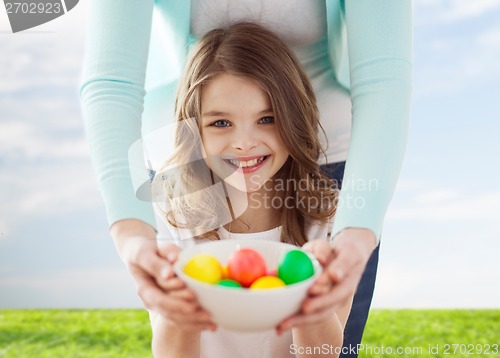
(440, 240)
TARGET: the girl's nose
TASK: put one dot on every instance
(244, 141)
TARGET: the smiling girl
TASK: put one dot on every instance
(247, 120)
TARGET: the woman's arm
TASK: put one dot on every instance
(112, 94)
(379, 47)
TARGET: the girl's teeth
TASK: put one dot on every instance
(246, 164)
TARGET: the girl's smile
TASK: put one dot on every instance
(239, 133)
(249, 164)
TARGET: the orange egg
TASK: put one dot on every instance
(225, 272)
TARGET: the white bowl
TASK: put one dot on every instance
(242, 309)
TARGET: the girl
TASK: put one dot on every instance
(245, 166)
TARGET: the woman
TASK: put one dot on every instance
(353, 51)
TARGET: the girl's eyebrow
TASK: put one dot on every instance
(225, 114)
(215, 114)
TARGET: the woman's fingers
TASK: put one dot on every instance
(169, 251)
(172, 284)
(159, 288)
(187, 295)
(151, 263)
(157, 264)
(331, 297)
(154, 298)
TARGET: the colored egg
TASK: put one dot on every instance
(245, 266)
(225, 272)
(204, 267)
(267, 282)
(272, 272)
(295, 266)
(229, 283)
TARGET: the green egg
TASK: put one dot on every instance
(295, 266)
(229, 283)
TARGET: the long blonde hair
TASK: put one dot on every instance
(247, 50)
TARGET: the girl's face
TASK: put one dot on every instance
(239, 135)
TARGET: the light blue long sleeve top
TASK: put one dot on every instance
(370, 51)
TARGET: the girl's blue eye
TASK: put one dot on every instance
(266, 120)
(220, 123)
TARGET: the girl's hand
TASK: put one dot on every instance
(343, 264)
(159, 289)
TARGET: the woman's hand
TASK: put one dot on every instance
(343, 262)
(185, 318)
(160, 290)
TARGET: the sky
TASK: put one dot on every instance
(441, 235)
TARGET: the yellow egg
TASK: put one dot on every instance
(204, 267)
(266, 282)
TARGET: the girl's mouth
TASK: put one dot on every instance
(247, 165)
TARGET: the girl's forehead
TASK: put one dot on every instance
(231, 90)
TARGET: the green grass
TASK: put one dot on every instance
(469, 330)
(126, 333)
(74, 333)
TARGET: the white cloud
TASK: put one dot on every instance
(436, 196)
(453, 63)
(436, 11)
(43, 61)
(452, 284)
(481, 207)
(46, 56)
(70, 279)
(405, 185)
(489, 38)
(92, 288)
(459, 9)
(451, 54)
(48, 190)
(22, 141)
